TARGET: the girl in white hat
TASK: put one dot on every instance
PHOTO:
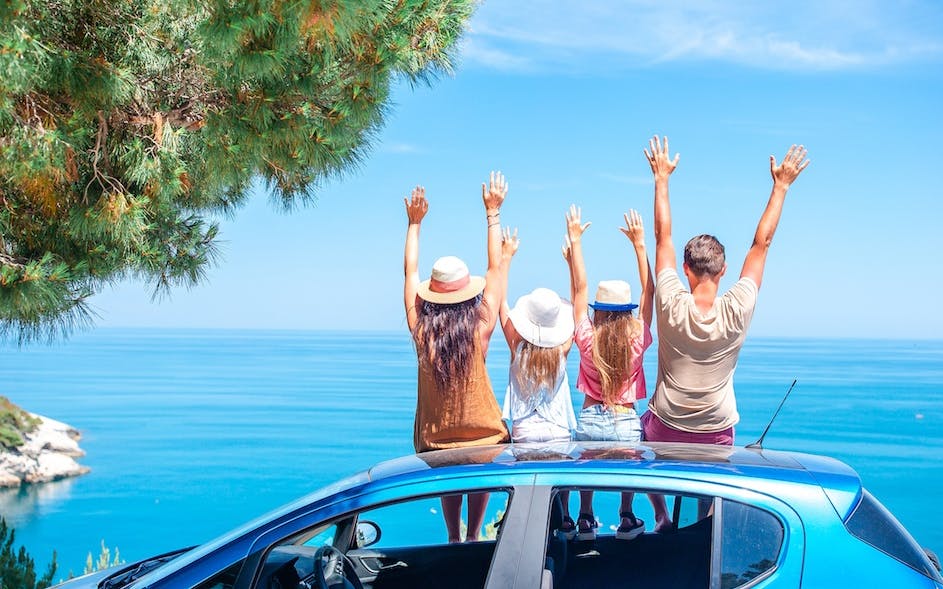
(539, 332)
(537, 402)
(611, 344)
(451, 317)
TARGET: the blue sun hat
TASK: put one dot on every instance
(613, 295)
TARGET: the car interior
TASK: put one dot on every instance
(404, 545)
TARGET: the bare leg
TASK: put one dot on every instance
(705, 507)
(565, 500)
(586, 502)
(626, 505)
(662, 519)
(452, 511)
(477, 503)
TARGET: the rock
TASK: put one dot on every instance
(47, 454)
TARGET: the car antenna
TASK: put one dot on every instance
(759, 443)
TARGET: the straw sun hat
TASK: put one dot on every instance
(450, 283)
(542, 318)
(613, 295)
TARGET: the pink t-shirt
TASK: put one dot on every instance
(588, 381)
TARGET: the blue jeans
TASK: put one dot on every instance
(619, 423)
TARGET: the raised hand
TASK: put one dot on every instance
(574, 226)
(634, 229)
(792, 165)
(509, 243)
(493, 194)
(659, 158)
(417, 206)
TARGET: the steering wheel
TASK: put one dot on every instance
(333, 570)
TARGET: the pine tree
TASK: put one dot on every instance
(17, 568)
(126, 125)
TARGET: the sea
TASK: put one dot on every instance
(189, 433)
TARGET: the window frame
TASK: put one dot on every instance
(789, 561)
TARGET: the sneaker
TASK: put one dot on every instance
(586, 526)
(630, 527)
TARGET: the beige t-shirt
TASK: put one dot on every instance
(697, 354)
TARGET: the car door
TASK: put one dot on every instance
(412, 559)
(409, 546)
(728, 535)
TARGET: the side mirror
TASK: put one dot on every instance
(367, 534)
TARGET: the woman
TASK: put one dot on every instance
(611, 345)
(451, 318)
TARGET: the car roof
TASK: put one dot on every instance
(840, 482)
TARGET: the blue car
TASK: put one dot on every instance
(742, 518)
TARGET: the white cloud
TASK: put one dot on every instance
(476, 50)
(805, 34)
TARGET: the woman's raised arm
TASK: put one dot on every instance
(574, 233)
(635, 231)
(492, 196)
(416, 208)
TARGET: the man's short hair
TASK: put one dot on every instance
(704, 255)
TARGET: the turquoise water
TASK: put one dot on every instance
(190, 433)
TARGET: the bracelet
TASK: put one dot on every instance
(495, 215)
(490, 225)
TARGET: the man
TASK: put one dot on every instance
(699, 333)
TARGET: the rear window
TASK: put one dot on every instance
(871, 522)
(751, 541)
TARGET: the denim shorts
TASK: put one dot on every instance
(598, 423)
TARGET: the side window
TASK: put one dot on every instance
(751, 540)
(225, 579)
(608, 555)
(323, 537)
(872, 523)
(421, 522)
(396, 545)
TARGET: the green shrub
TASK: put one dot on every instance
(14, 422)
(104, 560)
(17, 569)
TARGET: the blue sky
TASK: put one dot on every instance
(562, 96)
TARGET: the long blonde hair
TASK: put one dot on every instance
(537, 367)
(613, 333)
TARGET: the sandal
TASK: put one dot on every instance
(586, 525)
(630, 527)
(567, 529)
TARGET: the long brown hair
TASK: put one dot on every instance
(538, 367)
(613, 332)
(445, 340)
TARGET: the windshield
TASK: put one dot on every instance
(136, 571)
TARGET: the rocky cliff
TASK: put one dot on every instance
(47, 454)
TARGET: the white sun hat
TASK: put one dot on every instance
(542, 318)
(613, 295)
(450, 283)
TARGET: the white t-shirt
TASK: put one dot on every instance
(697, 354)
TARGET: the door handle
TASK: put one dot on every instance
(395, 565)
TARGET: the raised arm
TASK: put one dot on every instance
(784, 175)
(662, 167)
(492, 196)
(509, 245)
(635, 231)
(416, 208)
(580, 290)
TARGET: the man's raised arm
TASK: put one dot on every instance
(662, 167)
(784, 175)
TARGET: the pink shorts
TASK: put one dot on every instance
(655, 430)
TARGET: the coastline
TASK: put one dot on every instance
(47, 454)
